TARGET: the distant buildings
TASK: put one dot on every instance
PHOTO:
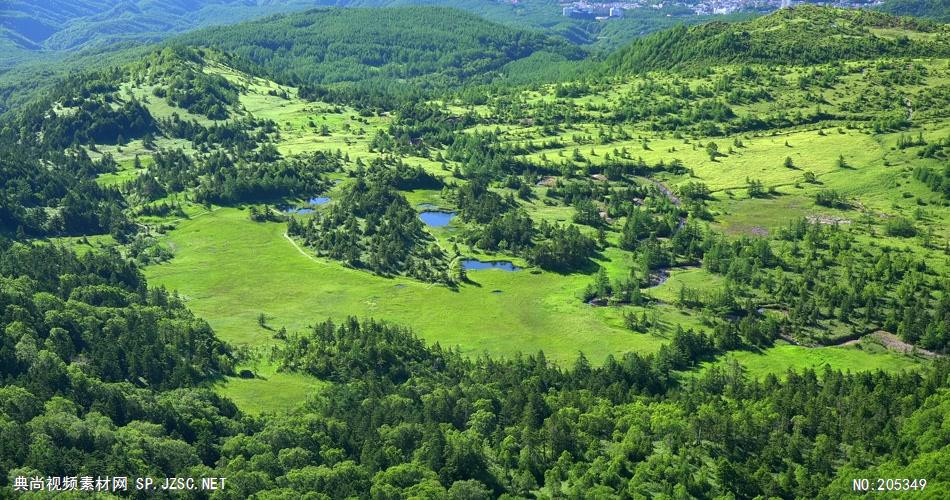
(582, 10)
(615, 10)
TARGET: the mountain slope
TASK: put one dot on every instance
(430, 46)
(74, 24)
(931, 9)
(801, 35)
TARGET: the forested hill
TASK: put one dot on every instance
(382, 49)
(931, 9)
(430, 46)
(72, 24)
(800, 35)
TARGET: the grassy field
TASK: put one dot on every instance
(270, 390)
(783, 357)
(230, 270)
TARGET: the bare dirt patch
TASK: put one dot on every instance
(827, 219)
(894, 343)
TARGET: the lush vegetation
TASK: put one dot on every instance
(933, 9)
(331, 46)
(722, 277)
(801, 35)
(373, 226)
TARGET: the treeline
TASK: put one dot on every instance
(100, 372)
(408, 420)
(96, 368)
(56, 194)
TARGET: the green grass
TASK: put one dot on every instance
(783, 357)
(270, 391)
(230, 270)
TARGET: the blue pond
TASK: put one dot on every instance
(298, 211)
(437, 218)
(320, 200)
(477, 265)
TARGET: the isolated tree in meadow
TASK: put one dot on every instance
(458, 270)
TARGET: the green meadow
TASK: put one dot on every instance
(783, 357)
(229, 270)
(270, 390)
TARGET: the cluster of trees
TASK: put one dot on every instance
(236, 180)
(512, 232)
(404, 419)
(243, 135)
(92, 121)
(604, 292)
(831, 198)
(177, 75)
(199, 93)
(937, 180)
(707, 109)
(657, 221)
(420, 126)
(98, 368)
(562, 248)
(231, 178)
(62, 308)
(372, 226)
(498, 225)
(485, 155)
(477, 203)
(819, 275)
(55, 194)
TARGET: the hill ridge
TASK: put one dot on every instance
(799, 35)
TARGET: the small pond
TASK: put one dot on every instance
(319, 200)
(477, 265)
(298, 211)
(437, 218)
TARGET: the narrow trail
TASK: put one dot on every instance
(665, 190)
(301, 250)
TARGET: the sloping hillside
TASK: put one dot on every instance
(801, 35)
(432, 46)
(931, 9)
(73, 24)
